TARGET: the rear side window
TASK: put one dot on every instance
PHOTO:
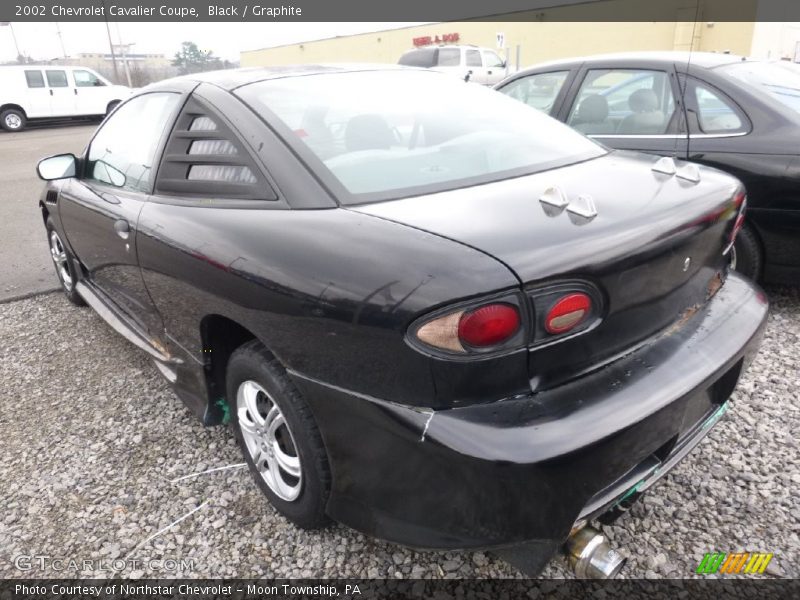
(624, 102)
(56, 79)
(122, 153)
(449, 57)
(715, 114)
(35, 79)
(204, 157)
(425, 57)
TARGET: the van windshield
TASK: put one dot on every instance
(389, 134)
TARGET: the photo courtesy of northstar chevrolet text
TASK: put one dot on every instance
(436, 293)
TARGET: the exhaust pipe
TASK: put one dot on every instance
(590, 556)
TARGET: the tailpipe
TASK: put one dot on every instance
(590, 556)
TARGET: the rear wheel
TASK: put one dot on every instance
(65, 268)
(278, 436)
(746, 255)
(13, 120)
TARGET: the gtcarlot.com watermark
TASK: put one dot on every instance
(41, 562)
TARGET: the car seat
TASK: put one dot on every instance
(368, 132)
(646, 116)
(592, 115)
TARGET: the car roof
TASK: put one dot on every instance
(230, 79)
(708, 60)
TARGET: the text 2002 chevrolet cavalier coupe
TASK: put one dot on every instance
(433, 313)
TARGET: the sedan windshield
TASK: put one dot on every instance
(388, 134)
(781, 83)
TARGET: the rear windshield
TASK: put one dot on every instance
(780, 82)
(389, 134)
(425, 57)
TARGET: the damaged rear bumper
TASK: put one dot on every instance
(527, 468)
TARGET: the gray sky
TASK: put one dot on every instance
(40, 40)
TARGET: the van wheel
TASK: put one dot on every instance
(111, 106)
(278, 436)
(13, 120)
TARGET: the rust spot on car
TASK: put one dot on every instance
(682, 320)
(714, 284)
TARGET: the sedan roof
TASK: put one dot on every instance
(708, 60)
(230, 79)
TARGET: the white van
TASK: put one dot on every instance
(44, 92)
(478, 65)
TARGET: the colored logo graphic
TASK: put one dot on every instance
(728, 564)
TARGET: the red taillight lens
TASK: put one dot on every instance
(567, 313)
(488, 325)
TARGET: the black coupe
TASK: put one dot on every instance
(738, 115)
(431, 312)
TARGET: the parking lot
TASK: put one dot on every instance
(102, 461)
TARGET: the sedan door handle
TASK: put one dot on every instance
(122, 228)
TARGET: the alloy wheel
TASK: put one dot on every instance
(269, 440)
(59, 255)
(732, 258)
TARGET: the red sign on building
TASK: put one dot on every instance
(427, 40)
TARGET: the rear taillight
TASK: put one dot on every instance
(488, 325)
(483, 328)
(567, 313)
(565, 309)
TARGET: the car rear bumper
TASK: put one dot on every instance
(527, 468)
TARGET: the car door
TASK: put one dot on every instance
(629, 107)
(91, 96)
(62, 96)
(37, 96)
(100, 209)
(494, 67)
(474, 65)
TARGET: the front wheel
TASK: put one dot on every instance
(746, 255)
(65, 268)
(278, 436)
(13, 120)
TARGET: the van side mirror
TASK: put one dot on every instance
(61, 166)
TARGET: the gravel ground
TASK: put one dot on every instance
(94, 440)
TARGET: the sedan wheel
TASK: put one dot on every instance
(269, 440)
(278, 435)
(62, 260)
(59, 256)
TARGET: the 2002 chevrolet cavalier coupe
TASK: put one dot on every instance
(433, 313)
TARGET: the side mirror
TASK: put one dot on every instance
(61, 166)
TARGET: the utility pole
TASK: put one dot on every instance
(122, 48)
(110, 43)
(61, 40)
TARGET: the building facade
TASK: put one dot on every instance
(553, 34)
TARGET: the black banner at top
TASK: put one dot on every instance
(405, 10)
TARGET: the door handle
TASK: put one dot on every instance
(51, 92)
(122, 228)
(75, 90)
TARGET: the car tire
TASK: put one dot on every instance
(746, 255)
(255, 380)
(64, 264)
(13, 120)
